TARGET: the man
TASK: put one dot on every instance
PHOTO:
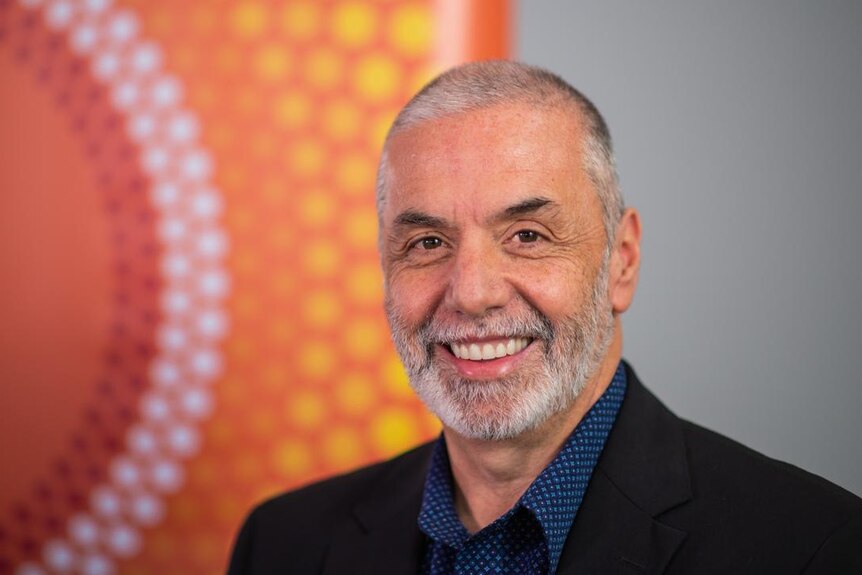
(508, 259)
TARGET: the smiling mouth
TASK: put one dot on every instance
(490, 349)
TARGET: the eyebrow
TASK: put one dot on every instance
(417, 219)
(412, 218)
(528, 206)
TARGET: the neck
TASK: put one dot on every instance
(490, 476)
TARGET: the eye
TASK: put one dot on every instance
(527, 236)
(428, 243)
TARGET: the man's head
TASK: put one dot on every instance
(500, 217)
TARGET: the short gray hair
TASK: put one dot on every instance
(480, 85)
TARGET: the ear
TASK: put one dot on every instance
(625, 261)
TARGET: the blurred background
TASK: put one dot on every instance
(739, 139)
(191, 303)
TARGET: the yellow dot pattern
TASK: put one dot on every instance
(376, 77)
(408, 29)
(272, 63)
(354, 24)
(292, 110)
(294, 98)
(301, 20)
(324, 69)
(248, 19)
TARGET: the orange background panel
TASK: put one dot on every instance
(219, 157)
(54, 278)
(489, 22)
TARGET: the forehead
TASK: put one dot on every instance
(486, 158)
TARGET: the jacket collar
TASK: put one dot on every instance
(643, 472)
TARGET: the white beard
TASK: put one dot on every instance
(505, 408)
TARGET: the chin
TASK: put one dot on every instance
(496, 409)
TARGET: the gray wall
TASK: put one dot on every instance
(738, 129)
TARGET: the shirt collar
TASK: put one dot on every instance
(570, 471)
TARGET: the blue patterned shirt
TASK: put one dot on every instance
(529, 538)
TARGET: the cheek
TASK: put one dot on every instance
(415, 295)
(557, 291)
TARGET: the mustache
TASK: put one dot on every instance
(529, 323)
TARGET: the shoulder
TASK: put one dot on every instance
(295, 527)
(725, 470)
(764, 507)
(739, 509)
(722, 466)
(715, 467)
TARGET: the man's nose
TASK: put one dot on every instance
(477, 282)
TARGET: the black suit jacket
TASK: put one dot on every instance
(666, 496)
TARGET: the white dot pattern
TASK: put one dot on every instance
(529, 538)
(166, 132)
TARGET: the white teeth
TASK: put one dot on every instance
(490, 350)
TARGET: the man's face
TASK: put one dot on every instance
(495, 259)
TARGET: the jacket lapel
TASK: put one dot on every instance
(642, 473)
(613, 535)
(383, 534)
